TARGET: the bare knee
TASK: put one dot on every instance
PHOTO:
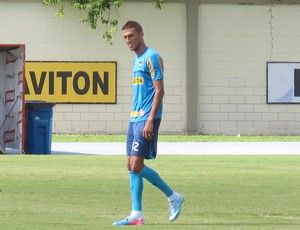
(137, 168)
(135, 164)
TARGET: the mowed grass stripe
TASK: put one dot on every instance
(91, 192)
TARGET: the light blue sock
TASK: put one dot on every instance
(136, 188)
(154, 178)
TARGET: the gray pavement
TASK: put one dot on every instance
(178, 148)
(181, 148)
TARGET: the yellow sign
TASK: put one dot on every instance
(71, 82)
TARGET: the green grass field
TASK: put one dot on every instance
(91, 192)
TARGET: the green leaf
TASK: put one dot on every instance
(105, 11)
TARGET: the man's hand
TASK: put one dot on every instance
(148, 130)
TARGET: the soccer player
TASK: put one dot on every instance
(148, 87)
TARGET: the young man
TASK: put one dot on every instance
(148, 87)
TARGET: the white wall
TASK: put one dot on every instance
(235, 42)
(48, 38)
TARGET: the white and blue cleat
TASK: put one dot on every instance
(175, 207)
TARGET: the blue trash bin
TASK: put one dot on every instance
(38, 128)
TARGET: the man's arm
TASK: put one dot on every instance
(158, 97)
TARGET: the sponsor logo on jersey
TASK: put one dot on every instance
(137, 113)
(138, 81)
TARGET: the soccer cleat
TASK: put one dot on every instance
(130, 221)
(175, 207)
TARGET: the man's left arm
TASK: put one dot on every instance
(157, 100)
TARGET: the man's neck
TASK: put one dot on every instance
(141, 49)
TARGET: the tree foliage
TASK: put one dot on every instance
(103, 11)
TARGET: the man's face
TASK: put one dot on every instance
(133, 39)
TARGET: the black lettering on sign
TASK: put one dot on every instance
(85, 77)
(64, 75)
(37, 86)
(51, 83)
(97, 81)
(297, 82)
(26, 87)
(82, 83)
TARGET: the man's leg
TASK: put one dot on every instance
(136, 183)
(154, 178)
(175, 199)
(136, 189)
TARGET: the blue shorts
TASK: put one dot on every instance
(137, 145)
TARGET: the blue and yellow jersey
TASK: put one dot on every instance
(147, 67)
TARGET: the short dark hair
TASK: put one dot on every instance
(133, 24)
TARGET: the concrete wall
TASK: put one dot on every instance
(48, 38)
(235, 42)
(215, 57)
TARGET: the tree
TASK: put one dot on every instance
(104, 11)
